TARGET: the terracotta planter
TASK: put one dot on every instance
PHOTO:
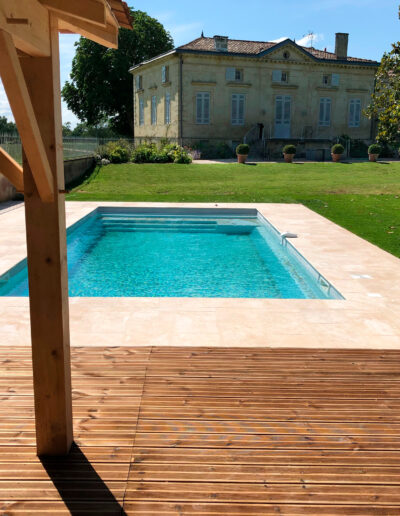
(336, 157)
(242, 158)
(288, 158)
(373, 157)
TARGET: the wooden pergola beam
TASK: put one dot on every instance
(11, 170)
(92, 11)
(25, 118)
(28, 23)
(107, 36)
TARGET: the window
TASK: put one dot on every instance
(141, 112)
(280, 76)
(234, 74)
(286, 55)
(165, 74)
(325, 112)
(326, 79)
(153, 110)
(139, 82)
(167, 112)
(237, 116)
(335, 79)
(203, 108)
(354, 112)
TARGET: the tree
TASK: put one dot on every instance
(6, 126)
(385, 105)
(101, 85)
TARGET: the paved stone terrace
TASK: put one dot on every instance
(367, 277)
(209, 431)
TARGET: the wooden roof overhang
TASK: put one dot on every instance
(30, 71)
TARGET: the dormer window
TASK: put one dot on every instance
(280, 76)
(221, 43)
(234, 74)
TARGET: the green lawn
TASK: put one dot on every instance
(362, 197)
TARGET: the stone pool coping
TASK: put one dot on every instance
(368, 278)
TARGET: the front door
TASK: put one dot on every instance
(282, 116)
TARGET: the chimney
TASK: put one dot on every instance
(341, 44)
(221, 43)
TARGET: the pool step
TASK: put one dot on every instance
(131, 224)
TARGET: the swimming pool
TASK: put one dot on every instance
(167, 252)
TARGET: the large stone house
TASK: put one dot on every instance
(265, 93)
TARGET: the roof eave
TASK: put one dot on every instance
(143, 63)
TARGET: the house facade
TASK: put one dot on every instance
(218, 89)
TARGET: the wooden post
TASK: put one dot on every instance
(47, 262)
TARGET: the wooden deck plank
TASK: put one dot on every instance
(210, 431)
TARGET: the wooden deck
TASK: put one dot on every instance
(184, 431)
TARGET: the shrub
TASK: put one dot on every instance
(375, 148)
(116, 152)
(144, 153)
(105, 162)
(337, 148)
(181, 155)
(171, 152)
(242, 148)
(289, 149)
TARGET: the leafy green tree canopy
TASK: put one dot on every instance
(101, 89)
(7, 126)
(385, 105)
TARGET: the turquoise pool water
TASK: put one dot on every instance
(127, 253)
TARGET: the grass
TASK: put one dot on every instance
(362, 197)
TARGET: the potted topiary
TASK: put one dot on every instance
(242, 151)
(337, 151)
(373, 151)
(288, 153)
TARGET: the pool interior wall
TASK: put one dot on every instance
(181, 252)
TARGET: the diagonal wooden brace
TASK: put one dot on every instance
(11, 170)
(21, 106)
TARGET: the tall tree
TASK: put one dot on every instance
(101, 87)
(7, 126)
(385, 105)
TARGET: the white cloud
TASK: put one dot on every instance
(181, 32)
(278, 40)
(310, 40)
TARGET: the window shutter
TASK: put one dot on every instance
(199, 108)
(357, 117)
(154, 110)
(203, 108)
(206, 108)
(241, 110)
(141, 112)
(335, 79)
(167, 117)
(234, 109)
(354, 113)
(277, 75)
(325, 112)
(230, 74)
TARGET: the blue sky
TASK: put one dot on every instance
(372, 26)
